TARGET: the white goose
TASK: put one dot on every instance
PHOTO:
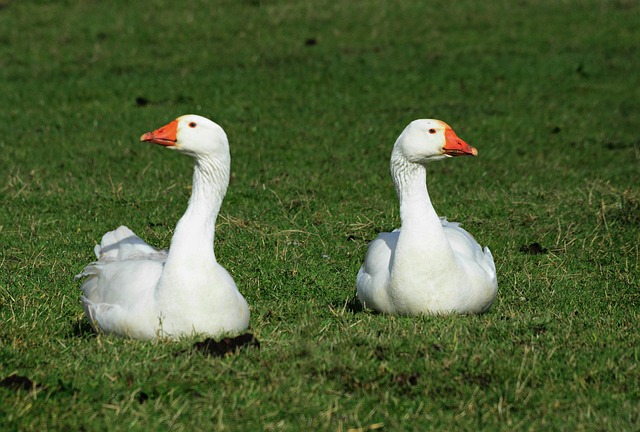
(429, 265)
(137, 291)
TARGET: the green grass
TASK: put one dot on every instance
(549, 93)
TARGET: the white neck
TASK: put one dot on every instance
(421, 230)
(192, 240)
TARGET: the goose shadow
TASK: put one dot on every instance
(81, 328)
(352, 304)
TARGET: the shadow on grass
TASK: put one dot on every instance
(81, 328)
(18, 382)
(226, 346)
(352, 305)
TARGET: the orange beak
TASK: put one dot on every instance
(165, 136)
(454, 146)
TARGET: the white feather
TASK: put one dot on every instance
(138, 291)
(429, 265)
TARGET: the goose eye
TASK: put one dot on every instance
(432, 131)
(192, 124)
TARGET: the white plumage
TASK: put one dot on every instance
(138, 291)
(429, 265)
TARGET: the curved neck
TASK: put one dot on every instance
(421, 229)
(193, 238)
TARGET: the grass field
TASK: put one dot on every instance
(312, 95)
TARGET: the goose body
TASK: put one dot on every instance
(429, 265)
(138, 291)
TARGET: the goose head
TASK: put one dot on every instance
(426, 140)
(192, 134)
